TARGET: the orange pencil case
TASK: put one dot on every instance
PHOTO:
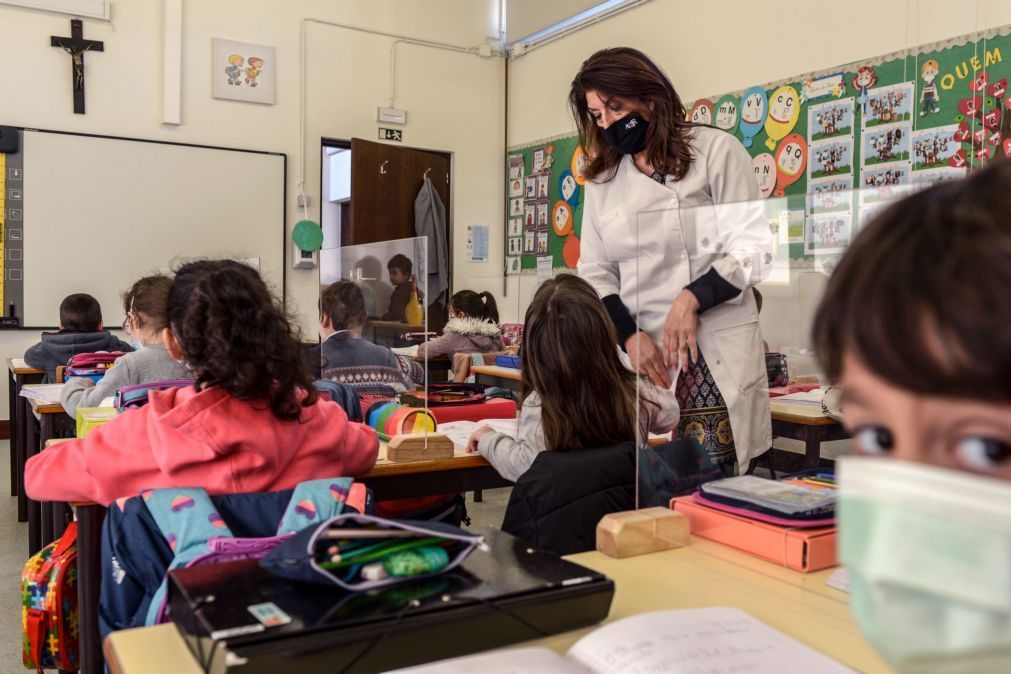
(803, 550)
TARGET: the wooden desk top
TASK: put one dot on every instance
(395, 325)
(461, 460)
(497, 371)
(804, 415)
(703, 574)
(22, 370)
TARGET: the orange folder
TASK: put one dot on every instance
(802, 550)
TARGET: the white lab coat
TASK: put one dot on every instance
(645, 242)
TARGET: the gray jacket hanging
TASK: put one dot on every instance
(430, 221)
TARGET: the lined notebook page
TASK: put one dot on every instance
(45, 393)
(711, 640)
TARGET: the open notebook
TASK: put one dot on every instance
(460, 431)
(712, 640)
(44, 393)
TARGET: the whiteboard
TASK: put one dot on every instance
(100, 213)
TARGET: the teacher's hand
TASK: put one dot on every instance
(645, 356)
(679, 331)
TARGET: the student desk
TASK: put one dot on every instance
(19, 374)
(495, 375)
(46, 520)
(464, 472)
(388, 333)
(703, 574)
(802, 422)
(438, 367)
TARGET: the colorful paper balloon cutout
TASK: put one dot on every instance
(578, 164)
(570, 251)
(784, 111)
(702, 112)
(764, 166)
(561, 218)
(568, 187)
(307, 235)
(727, 114)
(791, 159)
(754, 108)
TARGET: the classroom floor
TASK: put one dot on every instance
(14, 546)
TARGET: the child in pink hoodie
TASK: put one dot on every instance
(251, 423)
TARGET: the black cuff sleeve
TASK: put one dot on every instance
(624, 324)
(711, 289)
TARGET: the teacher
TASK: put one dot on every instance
(674, 236)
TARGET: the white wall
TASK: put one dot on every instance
(711, 48)
(454, 101)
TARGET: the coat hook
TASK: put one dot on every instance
(427, 171)
(382, 168)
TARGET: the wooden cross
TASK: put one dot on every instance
(76, 46)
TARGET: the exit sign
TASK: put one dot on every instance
(391, 134)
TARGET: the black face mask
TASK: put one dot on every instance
(628, 134)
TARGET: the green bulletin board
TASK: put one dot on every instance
(828, 149)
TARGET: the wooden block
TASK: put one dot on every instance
(413, 447)
(636, 532)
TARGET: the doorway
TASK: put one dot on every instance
(369, 192)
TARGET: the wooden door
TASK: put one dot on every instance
(385, 180)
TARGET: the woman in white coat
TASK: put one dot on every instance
(674, 236)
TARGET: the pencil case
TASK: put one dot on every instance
(364, 540)
(771, 497)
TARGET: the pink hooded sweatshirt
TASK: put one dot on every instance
(210, 439)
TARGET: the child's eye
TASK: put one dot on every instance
(982, 453)
(874, 439)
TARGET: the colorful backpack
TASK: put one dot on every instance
(130, 397)
(197, 534)
(91, 365)
(49, 606)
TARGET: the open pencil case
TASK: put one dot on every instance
(337, 552)
(771, 497)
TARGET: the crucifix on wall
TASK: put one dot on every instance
(76, 46)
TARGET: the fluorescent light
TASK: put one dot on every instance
(572, 24)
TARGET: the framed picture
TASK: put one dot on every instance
(241, 71)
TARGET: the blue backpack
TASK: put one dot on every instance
(198, 535)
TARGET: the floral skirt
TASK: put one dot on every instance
(704, 414)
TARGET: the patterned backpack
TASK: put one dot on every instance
(49, 606)
(198, 535)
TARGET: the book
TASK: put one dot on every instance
(44, 393)
(714, 640)
(460, 431)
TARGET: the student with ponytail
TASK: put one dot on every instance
(472, 327)
(251, 422)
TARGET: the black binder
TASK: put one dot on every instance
(502, 594)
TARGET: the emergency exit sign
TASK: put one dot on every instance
(391, 134)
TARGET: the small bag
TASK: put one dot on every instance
(49, 606)
(303, 556)
(91, 365)
(450, 393)
(131, 397)
(771, 497)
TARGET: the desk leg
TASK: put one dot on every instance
(21, 428)
(12, 392)
(48, 507)
(812, 446)
(89, 570)
(34, 507)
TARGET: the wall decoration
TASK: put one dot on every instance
(828, 233)
(241, 71)
(701, 112)
(838, 156)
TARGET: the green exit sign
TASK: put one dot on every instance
(391, 134)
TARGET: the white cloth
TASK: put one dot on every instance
(645, 242)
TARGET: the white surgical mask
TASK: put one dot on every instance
(929, 556)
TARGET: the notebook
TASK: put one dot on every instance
(44, 393)
(460, 431)
(714, 640)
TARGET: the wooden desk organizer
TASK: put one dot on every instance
(413, 447)
(636, 532)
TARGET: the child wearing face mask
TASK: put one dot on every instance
(144, 304)
(915, 325)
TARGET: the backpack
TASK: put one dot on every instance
(91, 365)
(136, 395)
(49, 606)
(198, 535)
